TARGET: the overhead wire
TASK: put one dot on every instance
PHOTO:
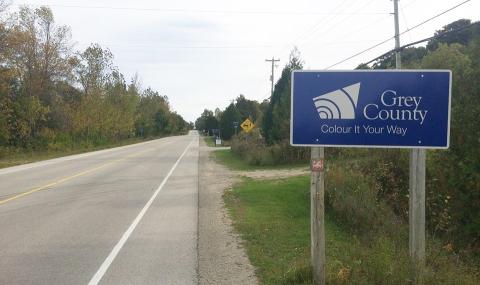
(410, 3)
(330, 28)
(434, 17)
(196, 47)
(164, 10)
(361, 52)
(404, 18)
(362, 27)
(313, 27)
(356, 31)
(406, 31)
(422, 40)
(320, 24)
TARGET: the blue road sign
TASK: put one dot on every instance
(371, 108)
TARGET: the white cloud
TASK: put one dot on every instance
(201, 59)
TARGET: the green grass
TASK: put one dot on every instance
(210, 141)
(23, 156)
(273, 217)
(234, 162)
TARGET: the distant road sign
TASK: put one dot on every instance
(371, 108)
(247, 125)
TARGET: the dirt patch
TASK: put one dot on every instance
(221, 256)
(274, 173)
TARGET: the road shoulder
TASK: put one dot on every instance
(222, 257)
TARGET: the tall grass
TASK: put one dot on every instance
(60, 146)
(366, 242)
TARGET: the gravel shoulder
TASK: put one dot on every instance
(221, 257)
(274, 174)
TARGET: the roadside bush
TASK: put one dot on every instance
(452, 190)
(44, 138)
(352, 199)
(252, 148)
(284, 153)
(389, 169)
(4, 152)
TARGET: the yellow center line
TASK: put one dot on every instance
(65, 179)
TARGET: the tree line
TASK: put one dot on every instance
(453, 175)
(52, 96)
(226, 123)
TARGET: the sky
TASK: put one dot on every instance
(203, 54)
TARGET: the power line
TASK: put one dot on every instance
(318, 24)
(356, 31)
(299, 13)
(434, 17)
(421, 41)
(406, 31)
(404, 18)
(312, 28)
(331, 28)
(361, 52)
(194, 47)
(209, 47)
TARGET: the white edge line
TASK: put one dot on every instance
(108, 261)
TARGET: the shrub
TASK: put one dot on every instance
(353, 201)
(252, 148)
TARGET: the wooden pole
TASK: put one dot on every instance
(416, 205)
(317, 210)
(417, 212)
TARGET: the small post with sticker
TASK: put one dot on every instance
(317, 211)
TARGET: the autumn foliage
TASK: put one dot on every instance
(52, 96)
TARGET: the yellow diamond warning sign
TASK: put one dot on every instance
(247, 125)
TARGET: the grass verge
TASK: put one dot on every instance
(23, 156)
(273, 217)
(210, 141)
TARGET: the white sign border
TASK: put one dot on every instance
(372, 70)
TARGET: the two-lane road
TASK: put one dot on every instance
(127, 215)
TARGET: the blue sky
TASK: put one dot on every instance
(203, 54)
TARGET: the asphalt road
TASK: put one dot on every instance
(127, 215)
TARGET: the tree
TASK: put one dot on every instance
(207, 122)
(248, 108)
(456, 173)
(410, 57)
(276, 122)
(94, 67)
(152, 109)
(230, 115)
(49, 96)
(38, 50)
(462, 37)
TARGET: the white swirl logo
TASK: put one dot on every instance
(339, 104)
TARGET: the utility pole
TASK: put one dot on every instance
(416, 205)
(398, 59)
(273, 60)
